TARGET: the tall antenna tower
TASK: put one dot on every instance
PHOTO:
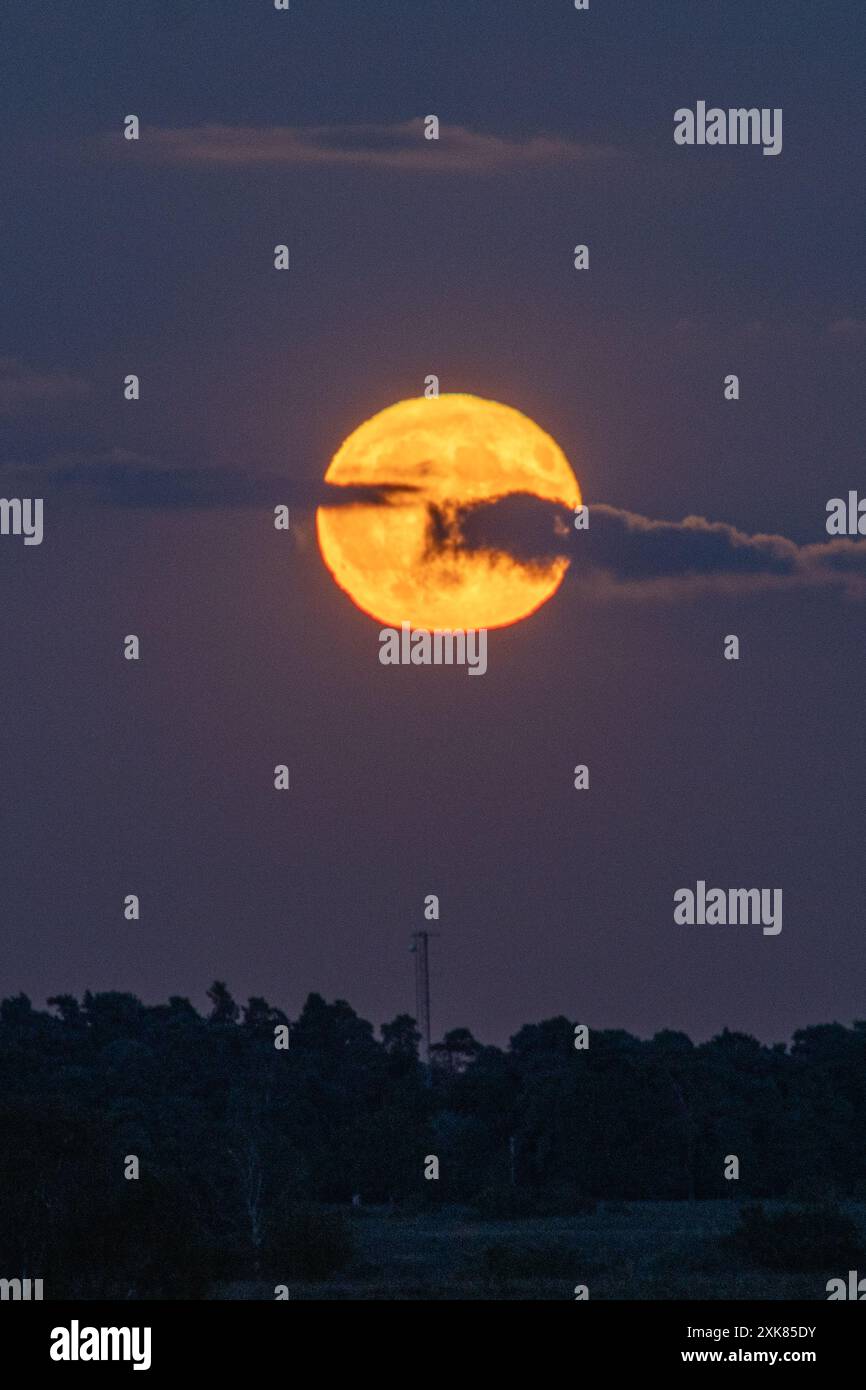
(420, 941)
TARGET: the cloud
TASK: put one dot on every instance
(637, 555)
(620, 552)
(854, 330)
(23, 388)
(401, 147)
(122, 478)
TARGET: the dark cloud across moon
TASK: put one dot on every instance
(620, 545)
(634, 549)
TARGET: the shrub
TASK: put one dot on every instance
(507, 1203)
(308, 1242)
(503, 1203)
(564, 1201)
(527, 1262)
(799, 1238)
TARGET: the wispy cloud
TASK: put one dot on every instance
(401, 147)
(24, 388)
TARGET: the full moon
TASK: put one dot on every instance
(454, 451)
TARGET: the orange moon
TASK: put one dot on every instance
(456, 450)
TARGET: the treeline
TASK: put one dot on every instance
(236, 1140)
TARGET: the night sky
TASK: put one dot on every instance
(156, 258)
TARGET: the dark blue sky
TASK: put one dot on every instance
(156, 779)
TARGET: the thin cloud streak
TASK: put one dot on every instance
(123, 479)
(24, 389)
(401, 147)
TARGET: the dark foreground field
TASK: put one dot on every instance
(642, 1250)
